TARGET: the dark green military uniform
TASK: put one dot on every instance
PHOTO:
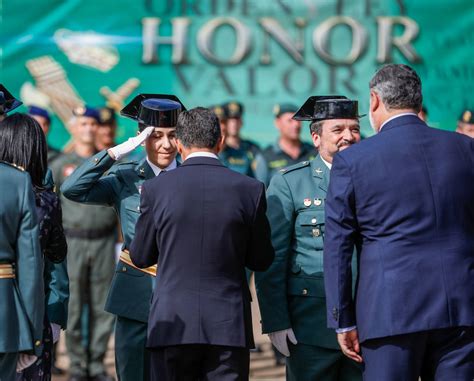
(130, 293)
(242, 159)
(53, 154)
(21, 271)
(91, 235)
(291, 293)
(273, 158)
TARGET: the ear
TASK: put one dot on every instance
(179, 147)
(220, 143)
(374, 101)
(316, 139)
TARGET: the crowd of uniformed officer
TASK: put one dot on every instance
(99, 181)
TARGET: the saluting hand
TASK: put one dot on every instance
(349, 343)
(126, 147)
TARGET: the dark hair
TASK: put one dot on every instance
(22, 142)
(399, 87)
(198, 128)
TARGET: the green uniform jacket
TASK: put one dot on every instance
(130, 292)
(240, 160)
(57, 292)
(273, 158)
(291, 292)
(22, 298)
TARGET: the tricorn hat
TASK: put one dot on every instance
(157, 110)
(7, 101)
(328, 107)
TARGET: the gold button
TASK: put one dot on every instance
(314, 220)
(37, 343)
(124, 269)
(305, 291)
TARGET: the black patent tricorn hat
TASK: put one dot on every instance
(157, 110)
(7, 101)
(328, 107)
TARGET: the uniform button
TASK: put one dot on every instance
(305, 291)
(37, 343)
(96, 160)
(314, 220)
(138, 208)
(124, 269)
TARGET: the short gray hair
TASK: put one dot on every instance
(198, 128)
(398, 86)
(316, 127)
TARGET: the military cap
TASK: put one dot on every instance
(39, 111)
(467, 116)
(328, 107)
(106, 115)
(233, 110)
(282, 108)
(90, 112)
(220, 111)
(7, 101)
(157, 110)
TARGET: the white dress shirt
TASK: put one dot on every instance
(157, 170)
(202, 154)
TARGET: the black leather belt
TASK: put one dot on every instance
(89, 233)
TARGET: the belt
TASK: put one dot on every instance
(89, 233)
(125, 258)
(6, 271)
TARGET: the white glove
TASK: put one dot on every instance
(279, 340)
(24, 361)
(126, 147)
(55, 330)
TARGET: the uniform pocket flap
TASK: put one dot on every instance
(311, 218)
(133, 207)
(306, 286)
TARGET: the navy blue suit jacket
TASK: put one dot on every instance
(203, 224)
(406, 197)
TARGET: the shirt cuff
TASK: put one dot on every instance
(347, 329)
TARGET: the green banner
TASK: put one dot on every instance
(63, 53)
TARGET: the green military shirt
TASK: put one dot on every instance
(75, 215)
(241, 159)
(291, 292)
(273, 158)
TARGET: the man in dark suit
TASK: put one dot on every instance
(406, 197)
(207, 224)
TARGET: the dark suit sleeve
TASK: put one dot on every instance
(143, 250)
(340, 237)
(260, 253)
